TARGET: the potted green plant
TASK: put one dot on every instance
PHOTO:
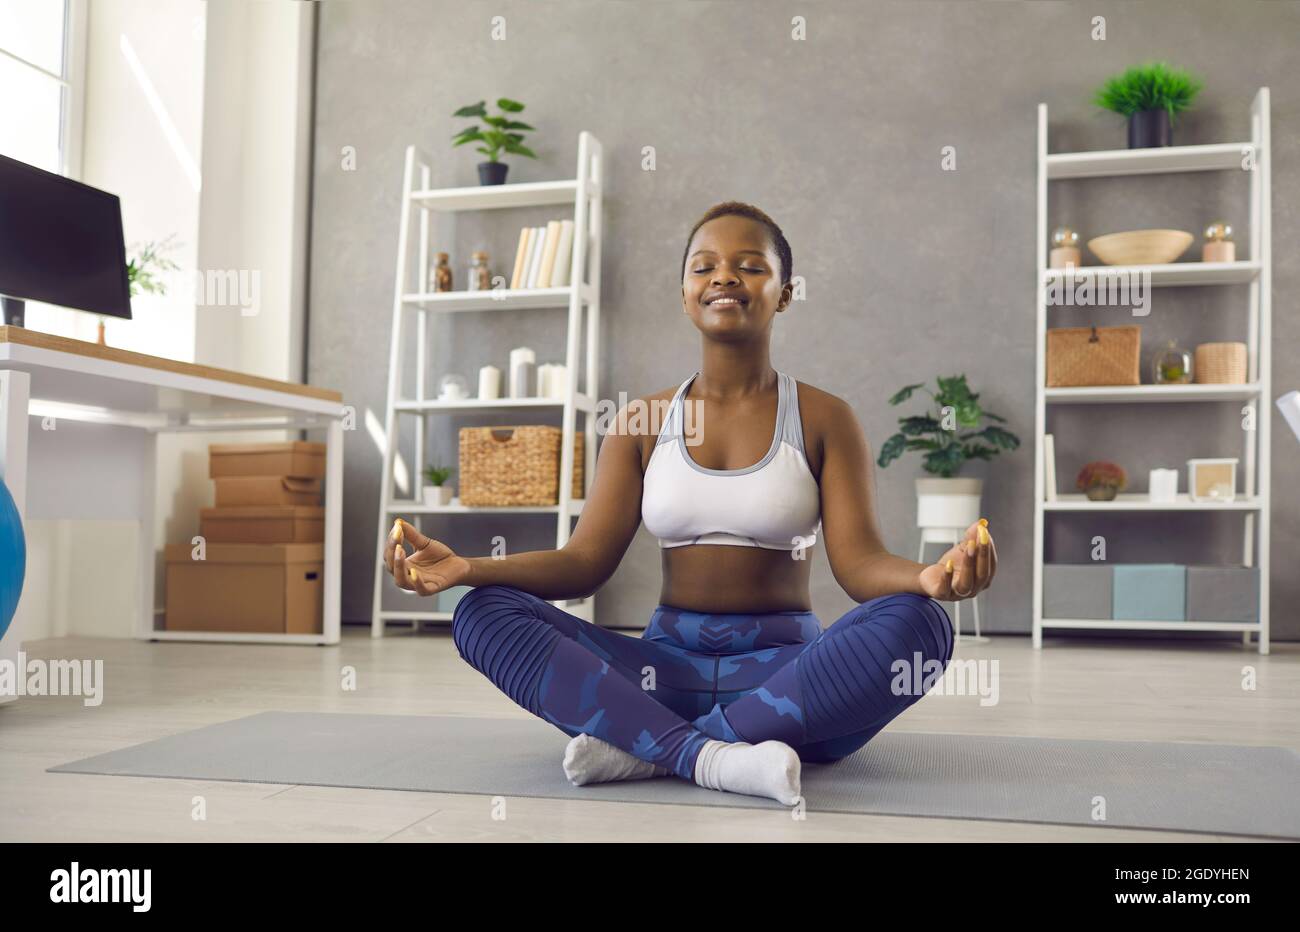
(146, 264)
(502, 133)
(1149, 96)
(951, 433)
(143, 269)
(1101, 481)
(436, 493)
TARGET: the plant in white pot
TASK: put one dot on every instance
(437, 492)
(950, 434)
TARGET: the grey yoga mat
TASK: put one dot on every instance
(1212, 788)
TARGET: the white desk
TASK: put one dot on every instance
(109, 406)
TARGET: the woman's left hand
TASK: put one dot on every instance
(964, 570)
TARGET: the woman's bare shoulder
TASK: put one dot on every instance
(821, 406)
(652, 407)
(642, 418)
(822, 414)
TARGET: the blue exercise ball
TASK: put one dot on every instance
(13, 558)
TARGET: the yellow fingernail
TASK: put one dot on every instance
(970, 548)
(410, 571)
(948, 566)
(397, 529)
(984, 522)
(983, 535)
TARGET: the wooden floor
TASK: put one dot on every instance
(1072, 688)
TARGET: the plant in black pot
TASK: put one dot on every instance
(502, 132)
(1149, 95)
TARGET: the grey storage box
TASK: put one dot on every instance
(1076, 590)
(1223, 593)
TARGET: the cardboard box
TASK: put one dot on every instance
(1149, 592)
(1077, 590)
(1223, 593)
(267, 490)
(266, 588)
(263, 524)
(296, 458)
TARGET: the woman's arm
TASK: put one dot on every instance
(605, 529)
(858, 558)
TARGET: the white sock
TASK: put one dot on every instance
(588, 759)
(770, 768)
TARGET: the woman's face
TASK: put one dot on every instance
(732, 284)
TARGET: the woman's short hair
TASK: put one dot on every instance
(740, 209)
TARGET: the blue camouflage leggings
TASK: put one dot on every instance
(695, 676)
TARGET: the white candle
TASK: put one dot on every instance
(559, 380)
(519, 357)
(489, 382)
(1162, 485)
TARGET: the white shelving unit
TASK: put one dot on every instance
(412, 307)
(1255, 272)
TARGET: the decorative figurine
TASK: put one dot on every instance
(1218, 246)
(1065, 249)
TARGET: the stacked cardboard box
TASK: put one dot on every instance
(261, 562)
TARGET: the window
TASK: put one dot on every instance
(40, 97)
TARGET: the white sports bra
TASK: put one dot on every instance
(774, 504)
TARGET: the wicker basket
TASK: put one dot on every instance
(1093, 356)
(1220, 363)
(503, 466)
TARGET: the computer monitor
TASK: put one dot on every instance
(60, 242)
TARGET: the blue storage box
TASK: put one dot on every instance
(448, 598)
(1149, 591)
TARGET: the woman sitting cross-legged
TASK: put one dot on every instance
(734, 681)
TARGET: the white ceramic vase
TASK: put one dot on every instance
(437, 494)
(951, 503)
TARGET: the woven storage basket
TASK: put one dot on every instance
(515, 465)
(1220, 363)
(1093, 356)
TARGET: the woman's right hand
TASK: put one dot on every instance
(430, 569)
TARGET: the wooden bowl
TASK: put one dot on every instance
(1140, 247)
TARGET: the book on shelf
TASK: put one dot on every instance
(529, 244)
(548, 254)
(1049, 468)
(563, 255)
(542, 256)
(535, 260)
(520, 252)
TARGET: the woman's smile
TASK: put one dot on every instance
(726, 299)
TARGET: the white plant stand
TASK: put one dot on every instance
(412, 307)
(1255, 272)
(950, 536)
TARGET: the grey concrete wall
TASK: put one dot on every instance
(912, 271)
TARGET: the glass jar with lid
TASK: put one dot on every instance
(480, 278)
(440, 274)
(1172, 365)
